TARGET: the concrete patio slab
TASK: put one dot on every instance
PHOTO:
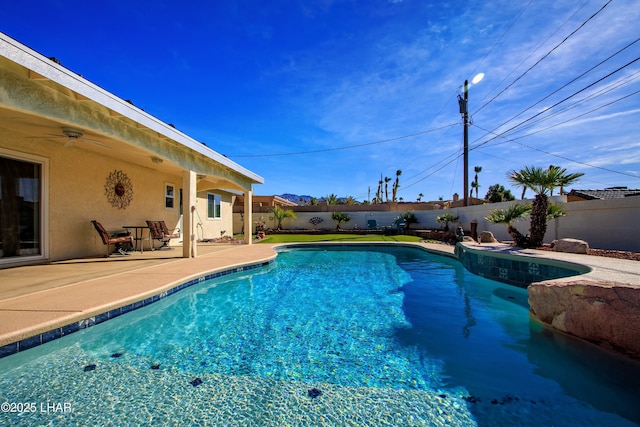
(60, 293)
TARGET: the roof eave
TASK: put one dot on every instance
(47, 68)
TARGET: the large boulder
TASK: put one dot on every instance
(607, 314)
(487, 237)
(573, 246)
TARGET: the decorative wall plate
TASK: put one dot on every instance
(118, 189)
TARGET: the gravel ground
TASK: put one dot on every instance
(633, 256)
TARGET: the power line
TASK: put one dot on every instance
(454, 156)
(554, 105)
(435, 171)
(544, 56)
(557, 155)
(578, 116)
(577, 78)
(346, 147)
(578, 162)
(530, 55)
(473, 73)
(602, 92)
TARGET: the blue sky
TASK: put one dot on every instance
(365, 88)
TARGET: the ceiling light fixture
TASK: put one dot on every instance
(72, 133)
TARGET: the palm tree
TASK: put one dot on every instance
(518, 211)
(396, 184)
(408, 218)
(555, 210)
(508, 216)
(420, 196)
(340, 217)
(350, 200)
(474, 184)
(386, 188)
(379, 192)
(280, 214)
(542, 182)
(520, 178)
(446, 219)
(331, 199)
(563, 178)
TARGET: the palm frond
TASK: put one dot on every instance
(510, 215)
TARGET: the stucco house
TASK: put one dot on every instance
(71, 152)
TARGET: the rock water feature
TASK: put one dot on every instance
(597, 312)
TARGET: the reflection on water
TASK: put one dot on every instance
(507, 362)
(605, 380)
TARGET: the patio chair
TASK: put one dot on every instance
(116, 238)
(160, 232)
(372, 224)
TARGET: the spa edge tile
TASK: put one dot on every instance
(9, 349)
(28, 343)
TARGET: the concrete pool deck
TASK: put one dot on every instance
(39, 298)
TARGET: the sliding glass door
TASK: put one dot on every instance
(20, 208)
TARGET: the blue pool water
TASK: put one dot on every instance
(325, 336)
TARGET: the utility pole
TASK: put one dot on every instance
(464, 110)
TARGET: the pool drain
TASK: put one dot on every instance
(314, 392)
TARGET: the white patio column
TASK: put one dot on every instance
(248, 216)
(189, 196)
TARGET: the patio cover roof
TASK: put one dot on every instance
(38, 97)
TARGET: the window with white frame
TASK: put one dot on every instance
(169, 196)
(213, 205)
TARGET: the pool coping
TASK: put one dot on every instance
(597, 269)
(61, 311)
(64, 322)
(58, 323)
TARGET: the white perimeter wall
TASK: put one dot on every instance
(604, 224)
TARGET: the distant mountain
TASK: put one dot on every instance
(295, 198)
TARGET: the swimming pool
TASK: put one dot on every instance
(327, 335)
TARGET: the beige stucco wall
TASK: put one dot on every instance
(39, 98)
(607, 224)
(76, 183)
(213, 228)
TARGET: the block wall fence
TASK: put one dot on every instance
(605, 224)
